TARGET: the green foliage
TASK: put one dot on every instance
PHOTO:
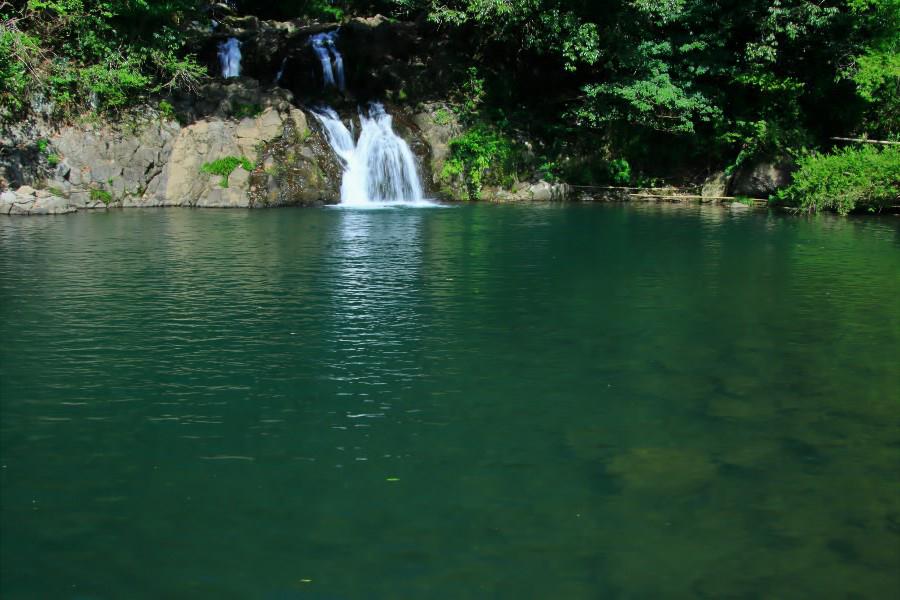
(101, 195)
(442, 117)
(481, 156)
(876, 67)
(19, 56)
(727, 82)
(76, 55)
(225, 166)
(323, 10)
(166, 110)
(53, 159)
(619, 171)
(761, 140)
(847, 179)
(471, 94)
(549, 170)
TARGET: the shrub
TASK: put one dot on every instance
(845, 180)
(166, 110)
(481, 156)
(225, 166)
(442, 116)
(619, 171)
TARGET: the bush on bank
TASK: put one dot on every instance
(847, 180)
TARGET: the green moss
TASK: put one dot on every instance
(225, 166)
(53, 159)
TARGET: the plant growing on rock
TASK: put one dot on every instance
(481, 156)
(101, 195)
(225, 166)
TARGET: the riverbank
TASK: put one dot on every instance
(31, 202)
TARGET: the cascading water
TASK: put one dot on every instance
(380, 167)
(323, 44)
(339, 137)
(230, 58)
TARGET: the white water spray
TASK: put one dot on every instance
(230, 58)
(380, 167)
(323, 44)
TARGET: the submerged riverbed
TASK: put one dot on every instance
(467, 402)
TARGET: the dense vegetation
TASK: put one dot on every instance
(846, 179)
(622, 91)
(73, 55)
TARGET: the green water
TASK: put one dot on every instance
(471, 402)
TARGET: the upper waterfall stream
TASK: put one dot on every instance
(230, 58)
(323, 44)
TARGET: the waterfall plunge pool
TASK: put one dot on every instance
(492, 401)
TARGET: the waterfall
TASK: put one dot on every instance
(379, 168)
(323, 44)
(280, 73)
(230, 58)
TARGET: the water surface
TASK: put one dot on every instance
(476, 402)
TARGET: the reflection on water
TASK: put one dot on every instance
(542, 401)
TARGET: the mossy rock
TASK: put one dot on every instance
(663, 470)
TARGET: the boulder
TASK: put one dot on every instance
(299, 168)
(7, 200)
(763, 179)
(715, 186)
(12, 203)
(52, 205)
(541, 191)
(438, 125)
(544, 191)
